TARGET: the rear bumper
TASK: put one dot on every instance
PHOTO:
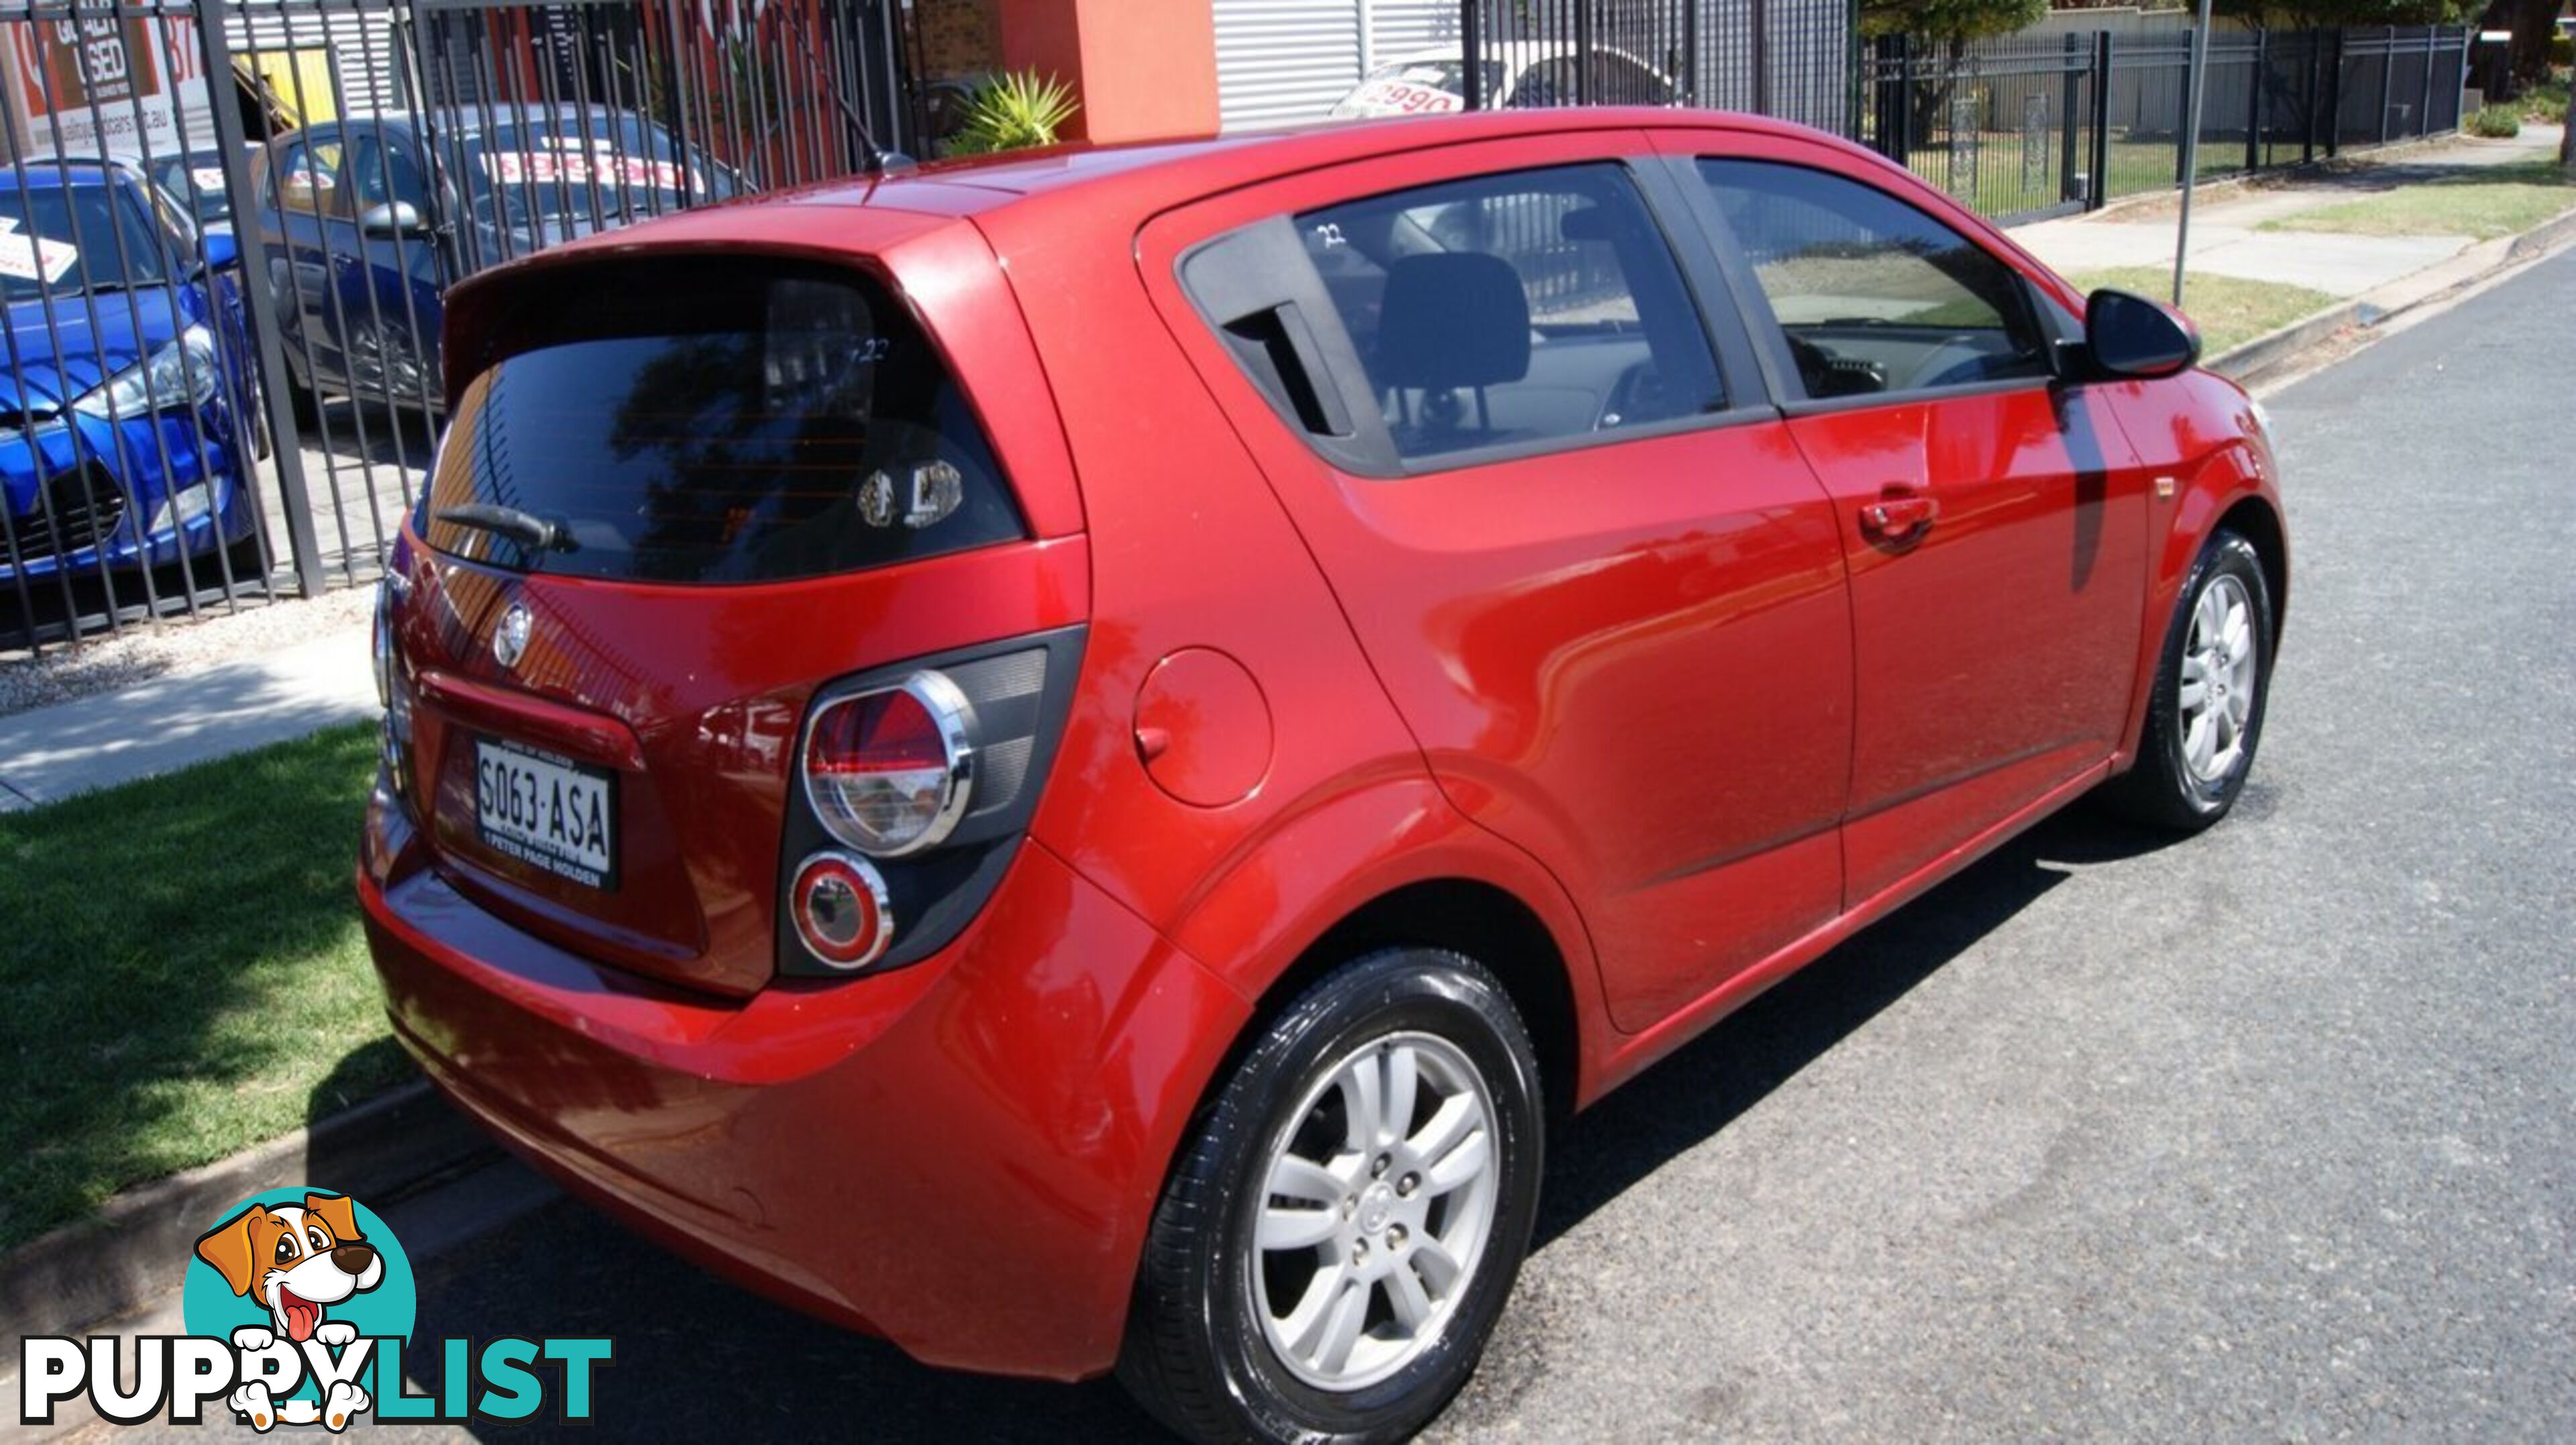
(960, 1156)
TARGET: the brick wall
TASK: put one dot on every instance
(958, 37)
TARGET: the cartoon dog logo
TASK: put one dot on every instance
(296, 1261)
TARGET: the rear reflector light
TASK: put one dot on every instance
(842, 911)
(890, 772)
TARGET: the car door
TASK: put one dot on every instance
(307, 210)
(1576, 543)
(392, 311)
(1993, 516)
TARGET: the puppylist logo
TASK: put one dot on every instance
(299, 1307)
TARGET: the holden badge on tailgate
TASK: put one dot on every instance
(510, 639)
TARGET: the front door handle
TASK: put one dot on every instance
(1899, 520)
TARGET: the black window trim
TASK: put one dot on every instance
(1779, 368)
(1370, 453)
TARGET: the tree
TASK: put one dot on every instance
(2314, 14)
(2532, 22)
(1948, 20)
(2567, 137)
(1947, 26)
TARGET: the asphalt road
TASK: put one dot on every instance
(2267, 1134)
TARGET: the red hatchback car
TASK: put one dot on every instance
(1072, 759)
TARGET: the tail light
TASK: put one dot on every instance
(841, 910)
(891, 772)
(918, 781)
(393, 689)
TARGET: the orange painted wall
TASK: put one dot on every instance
(1145, 69)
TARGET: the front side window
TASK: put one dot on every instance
(1513, 309)
(381, 171)
(1872, 295)
(307, 178)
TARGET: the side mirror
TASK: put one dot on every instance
(2130, 335)
(390, 218)
(222, 251)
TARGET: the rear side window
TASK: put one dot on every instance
(1871, 294)
(677, 421)
(1513, 309)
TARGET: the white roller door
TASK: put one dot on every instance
(1283, 61)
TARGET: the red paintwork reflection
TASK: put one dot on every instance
(1994, 647)
(692, 696)
(1664, 694)
(1011, 1094)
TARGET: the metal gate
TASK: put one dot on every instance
(1787, 58)
(227, 227)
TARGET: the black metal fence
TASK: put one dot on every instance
(1790, 58)
(2020, 127)
(227, 226)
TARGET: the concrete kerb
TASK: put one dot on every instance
(136, 1248)
(2249, 361)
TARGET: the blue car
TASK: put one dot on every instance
(122, 379)
(367, 219)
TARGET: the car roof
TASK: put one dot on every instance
(46, 174)
(465, 120)
(1155, 175)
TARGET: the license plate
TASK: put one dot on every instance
(547, 811)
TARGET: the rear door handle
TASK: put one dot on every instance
(1899, 519)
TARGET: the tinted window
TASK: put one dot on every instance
(307, 177)
(1514, 309)
(1872, 294)
(680, 423)
(60, 240)
(382, 171)
(197, 179)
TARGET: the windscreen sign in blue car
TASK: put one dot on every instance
(123, 421)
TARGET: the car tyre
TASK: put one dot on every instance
(2213, 681)
(1229, 1337)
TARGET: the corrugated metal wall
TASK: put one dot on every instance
(1283, 61)
(366, 61)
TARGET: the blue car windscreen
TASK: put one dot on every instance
(57, 241)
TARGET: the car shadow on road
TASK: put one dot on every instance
(1689, 1097)
(696, 1357)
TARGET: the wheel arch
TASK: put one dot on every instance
(1470, 916)
(2254, 518)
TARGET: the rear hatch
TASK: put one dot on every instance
(678, 492)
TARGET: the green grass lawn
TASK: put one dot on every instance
(1996, 185)
(184, 973)
(2546, 101)
(2499, 201)
(2229, 311)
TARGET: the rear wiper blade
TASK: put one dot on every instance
(525, 528)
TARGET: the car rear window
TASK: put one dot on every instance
(701, 422)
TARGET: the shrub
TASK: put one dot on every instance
(1012, 112)
(2495, 123)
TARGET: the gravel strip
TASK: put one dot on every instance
(144, 651)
